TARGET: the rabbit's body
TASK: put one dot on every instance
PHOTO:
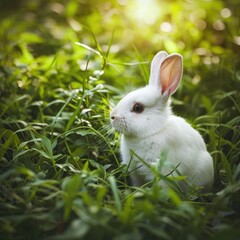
(188, 154)
(150, 130)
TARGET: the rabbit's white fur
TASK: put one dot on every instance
(156, 130)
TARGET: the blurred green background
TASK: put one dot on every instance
(127, 34)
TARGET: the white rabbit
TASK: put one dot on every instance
(149, 129)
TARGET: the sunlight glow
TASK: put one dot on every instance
(144, 11)
(226, 13)
(166, 27)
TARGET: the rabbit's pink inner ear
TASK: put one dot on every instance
(171, 74)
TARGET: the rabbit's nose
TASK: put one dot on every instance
(116, 117)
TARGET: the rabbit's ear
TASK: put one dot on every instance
(155, 68)
(171, 74)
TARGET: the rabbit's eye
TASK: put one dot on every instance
(138, 108)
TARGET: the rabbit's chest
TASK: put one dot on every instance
(138, 150)
(139, 155)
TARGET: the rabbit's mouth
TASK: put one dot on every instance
(119, 124)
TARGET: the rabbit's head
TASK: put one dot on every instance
(145, 111)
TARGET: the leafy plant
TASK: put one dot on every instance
(62, 65)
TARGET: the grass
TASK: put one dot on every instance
(61, 175)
